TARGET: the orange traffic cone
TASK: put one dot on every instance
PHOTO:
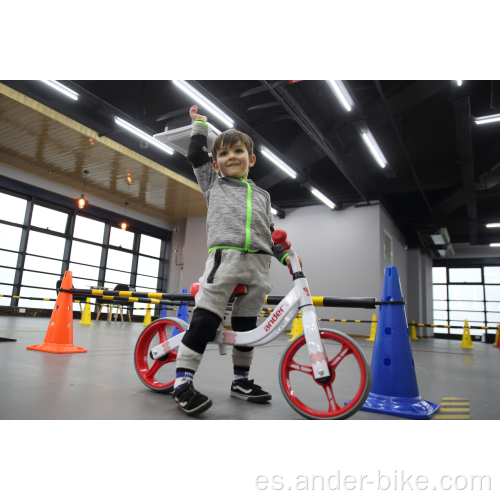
(59, 336)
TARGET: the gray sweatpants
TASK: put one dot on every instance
(225, 269)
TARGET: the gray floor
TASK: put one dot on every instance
(102, 383)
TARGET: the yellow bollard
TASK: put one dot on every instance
(297, 328)
(147, 318)
(86, 314)
(373, 330)
(466, 338)
(413, 331)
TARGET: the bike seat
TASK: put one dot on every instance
(239, 290)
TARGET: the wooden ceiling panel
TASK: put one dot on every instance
(38, 140)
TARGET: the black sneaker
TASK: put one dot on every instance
(247, 390)
(190, 401)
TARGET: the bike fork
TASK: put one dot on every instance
(317, 355)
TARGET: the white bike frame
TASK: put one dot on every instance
(298, 299)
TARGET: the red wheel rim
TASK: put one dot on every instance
(335, 408)
(147, 369)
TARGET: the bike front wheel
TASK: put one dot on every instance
(158, 375)
(347, 389)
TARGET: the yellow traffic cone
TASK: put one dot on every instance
(373, 331)
(497, 337)
(466, 338)
(413, 331)
(296, 328)
(147, 318)
(86, 314)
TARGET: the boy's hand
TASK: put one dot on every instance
(193, 113)
(287, 260)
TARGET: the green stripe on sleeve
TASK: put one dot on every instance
(204, 123)
(283, 259)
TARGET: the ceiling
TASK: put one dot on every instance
(443, 170)
(42, 142)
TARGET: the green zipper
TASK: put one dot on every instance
(249, 215)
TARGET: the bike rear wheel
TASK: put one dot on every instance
(158, 375)
(350, 380)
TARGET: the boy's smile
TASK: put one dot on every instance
(234, 161)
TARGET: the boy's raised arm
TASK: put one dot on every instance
(198, 151)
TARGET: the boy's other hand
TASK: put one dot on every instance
(193, 113)
(287, 261)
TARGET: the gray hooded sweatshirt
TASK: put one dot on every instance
(239, 212)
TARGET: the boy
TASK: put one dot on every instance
(239, 226)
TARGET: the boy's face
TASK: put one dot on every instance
(234, 161)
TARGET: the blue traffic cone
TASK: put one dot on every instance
(182, 313)
(163, 311)
(394, 389)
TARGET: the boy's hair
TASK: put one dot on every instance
(230, 137)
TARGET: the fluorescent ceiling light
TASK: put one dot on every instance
(217, 131)
(61, 88)
(341, 93)
(374, 149)
(495, 245)
(201, 99)
(488, 119)
(143, 135)
(459, 82)
(274, 212)
(323, 198)
(278, 162)
(493, 225)
(438, 239)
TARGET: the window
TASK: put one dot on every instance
(5, 290)
(45, 245)
(150, 246)
(465, 292)
(40, 264)
(8, 259)
(80, 271)
(49, 219)
(118, 260)
(145, 281)
(470, 294)
(12, 209)
(40, 280)
(38, 292)
(10, 237)
(84, 253)
(117, 277)
(7, 275)
(492, 274)
(88, 229)
(148, 266)
(120, 238)
(439, 275)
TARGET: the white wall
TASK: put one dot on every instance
(419, 296)
(340, 250)
(398, 248)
